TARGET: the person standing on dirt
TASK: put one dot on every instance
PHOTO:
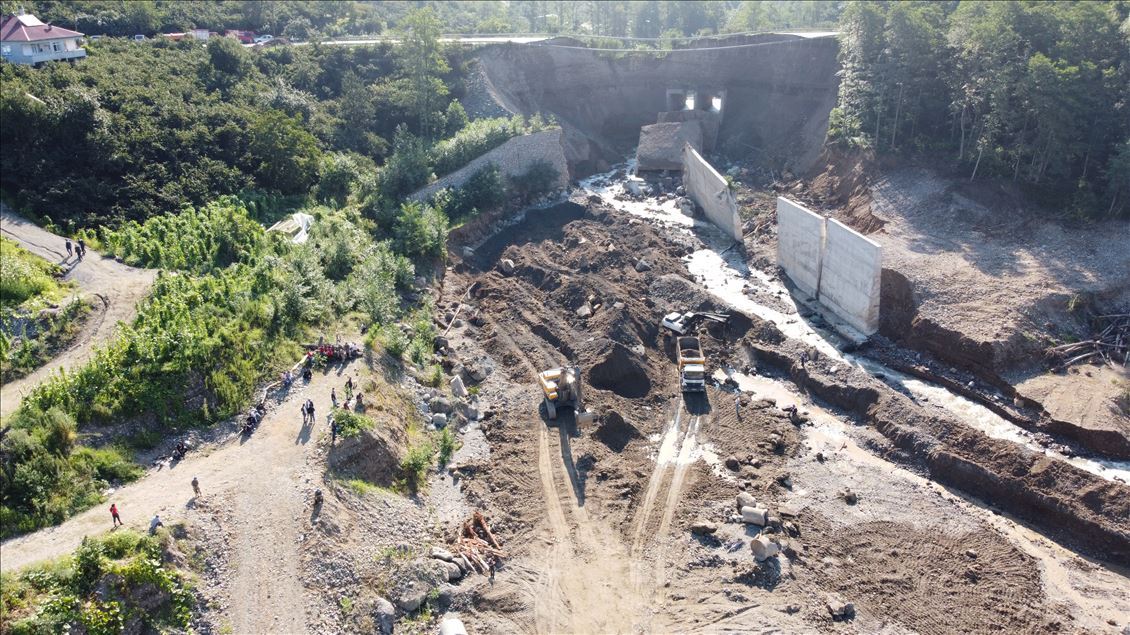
(333, 397)
(69, 249)
(195, 486)
(154, 524)
(114, 515)
(738, 408)
(349, 387)
(310, 409)
(81, 248)
(333, 430)
(304, 413)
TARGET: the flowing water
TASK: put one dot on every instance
(723, 272)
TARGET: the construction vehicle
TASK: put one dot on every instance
(680, 323)
(692, 364)
(561, 388)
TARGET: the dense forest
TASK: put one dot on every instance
(303, 19)
(1034, 92)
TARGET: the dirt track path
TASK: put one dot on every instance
(113, 288)
(264, 483)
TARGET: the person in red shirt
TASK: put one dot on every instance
(114, 514)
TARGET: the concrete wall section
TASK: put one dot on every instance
(849, 276)
(706, 187)
(513, 158)
(800, 245)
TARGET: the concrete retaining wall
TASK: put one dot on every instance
(513, 158)
(850, 270)
(706, 187)
(800, 244)
(833, 263)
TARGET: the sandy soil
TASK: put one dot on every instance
(113, 289)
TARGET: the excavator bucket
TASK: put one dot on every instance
(585, 418)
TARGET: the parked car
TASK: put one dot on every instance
(139, 38)
(263, 39)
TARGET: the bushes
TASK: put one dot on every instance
(23, 275)
(420, 230)
(537, 180)
(197, 240)
(478, 137)
(485, 190)
(416, 463)
(60, 596)
(351, 424)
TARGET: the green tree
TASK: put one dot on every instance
(283, 156)
(423, 64)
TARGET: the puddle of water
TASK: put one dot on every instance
(726, 275)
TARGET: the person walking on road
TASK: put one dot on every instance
(195, 486)
(114, 514)
(70, 249)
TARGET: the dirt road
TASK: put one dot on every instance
(264, 483)
(114, 290)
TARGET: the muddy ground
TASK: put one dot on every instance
(597, 520)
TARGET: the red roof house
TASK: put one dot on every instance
(26, 40)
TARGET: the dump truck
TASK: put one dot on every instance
(561, 388)
(692, 364)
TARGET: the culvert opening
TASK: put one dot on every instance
(621, 372)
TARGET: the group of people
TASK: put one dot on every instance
(308, 412)
(116, 517)
(78, 248)
(350, 398)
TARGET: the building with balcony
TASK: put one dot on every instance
(26, 40)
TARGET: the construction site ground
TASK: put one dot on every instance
(598, 520)
(981, 277)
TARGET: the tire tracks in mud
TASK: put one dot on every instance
(675, 456)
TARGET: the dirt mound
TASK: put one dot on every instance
(373, 455)
(933, 582)
(841, 180)
(622, 372)
(615, 432)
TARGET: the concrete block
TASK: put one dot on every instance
(661, 144)
(850, 273)
(800, 244)
(706, 187)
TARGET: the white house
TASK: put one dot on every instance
(26, 40)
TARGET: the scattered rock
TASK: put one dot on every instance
(506, 265)
(468, 253)
(440, 404)
(746, 500)
(841, 610)
(454, 571)
(703, 527)
(785, 481)
(732, 463)
(788, 509)
(763, 548)
(849, 496)
(585, 311)
(439, 420)
(972, 553)
(384, 615)
(440, 553)
(755, 516)
(411, 600)
(457, 387)
(643, 265)
(440, 343)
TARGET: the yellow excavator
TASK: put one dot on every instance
(561, 388)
